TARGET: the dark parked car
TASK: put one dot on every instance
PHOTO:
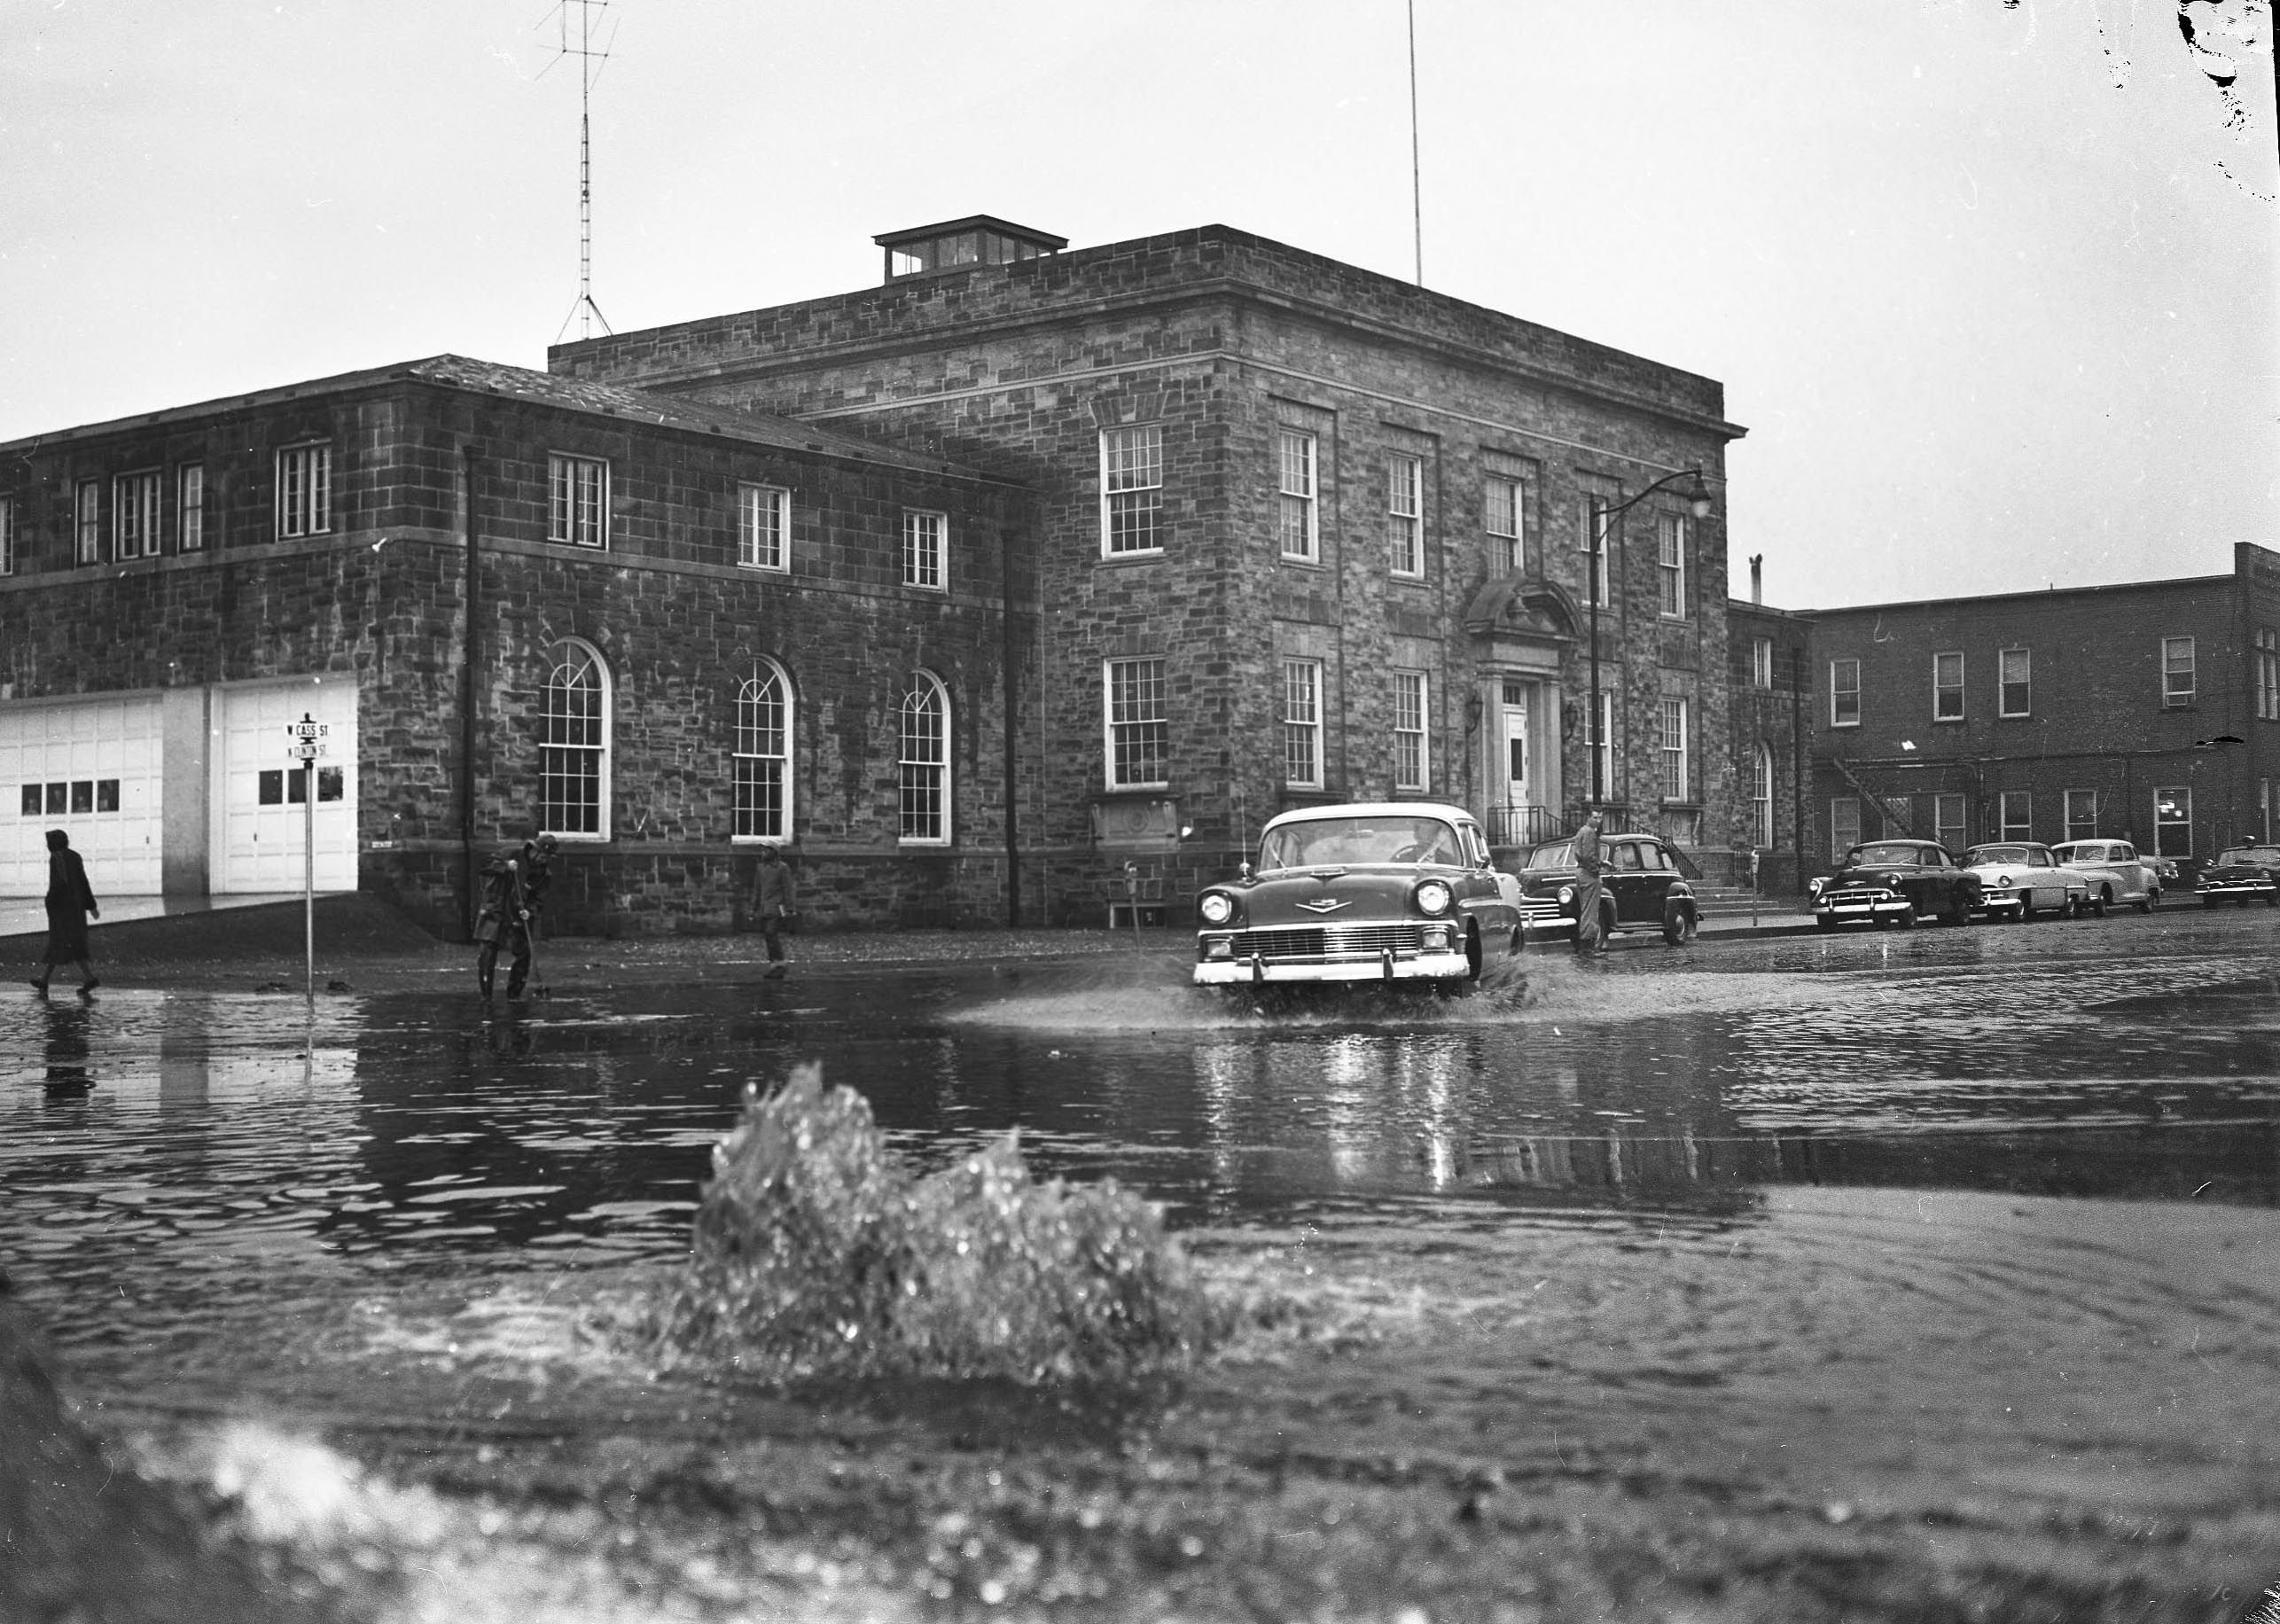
(1895, 882)
(1645, 887)
(2243, 874)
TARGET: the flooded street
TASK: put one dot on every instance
(1963, 1243)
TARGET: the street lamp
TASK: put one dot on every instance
(1697, 502)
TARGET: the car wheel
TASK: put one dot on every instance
(2099, 903)
(1823, 922)
(1678, 929)
(1905, 920)
(2026, 906)
(2153, 898)
(1957, 912)
(1472, 954)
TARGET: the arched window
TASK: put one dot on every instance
(925, 761)
(763, 755)
(1762, 798)
(574, 744)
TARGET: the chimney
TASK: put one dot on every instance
(1757, 577)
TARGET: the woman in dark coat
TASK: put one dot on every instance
(70, 904)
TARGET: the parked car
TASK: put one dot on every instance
(2114, 867)
(1895, 882)
(1380, 891)
(2019, 880)
(2243, 874)
(1645, 884)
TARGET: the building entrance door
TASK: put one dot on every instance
(1521, 812)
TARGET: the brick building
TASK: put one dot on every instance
(1770, 688)
(1303, 531)
(665, 630)
(2148, 711)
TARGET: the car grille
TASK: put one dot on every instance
(1535, 910)
(1855, 894)
(1325, 942)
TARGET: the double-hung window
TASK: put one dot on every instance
(1761, 828)
(2081, 814)
(574, 744)
(577, 514)
(1594, 542)
(86, 522)
(190, 514)
(1844, 693)
(1670, 561)
(1947, 820)
(304, 490)
(135, 516)
(1505, 517)
(1405, 515)
(2173, 822)
(926, 551)
(1761, 662)
(7, 535)
(1302, 723)
(763, 756)
(1411, 763)
(1675, 781)
(2016, 677)
(2177, 679)
(2017, 812)
(1295, 521)
(1139, 728)
(1844, 824)
(1132, 490)
(2266, 652)
(1947, 687)
(925, 764)
(763, 527)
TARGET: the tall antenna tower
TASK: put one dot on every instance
(586, 311)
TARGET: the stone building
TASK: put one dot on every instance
(1303, 531)
(664, 630)
(2148, 711)
(1770, 685)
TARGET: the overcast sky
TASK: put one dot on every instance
(1992, 289)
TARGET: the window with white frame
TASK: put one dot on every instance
(1844, 824)
(764, 527)
(87, 523)
(7, 535)
(2173, 822)
(2015, 677)
(1947, 687)
(926, 551)
(1675, 782)
(925, 762)
(2177, 677)
(190, 512)
(1505, 517)
(2264, 805)
(135, 516)
(579, 505)
(2267, 651)
(1302, 723)
(1844, 693)
(1405, 514)
(1295, 456)
(1603, 750)
(1762, 798)
(1138, 723)
(1132, 490)
(762, 758)
(2081, 814)
(1948, 821)
(304, 490)
(1761, 662)
(574, 744)
(1670, 564)
(1594, 541)
(1412, 765)
(2014, 812)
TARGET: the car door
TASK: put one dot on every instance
(1625, 882)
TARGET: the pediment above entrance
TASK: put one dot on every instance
(1525, 608)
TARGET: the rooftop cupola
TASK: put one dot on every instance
(958, 245)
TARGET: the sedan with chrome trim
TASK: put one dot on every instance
(1884, 883)
(1378, 891)
(2243, 874)
(2019, 879)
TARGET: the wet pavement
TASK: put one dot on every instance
(1948, 1229)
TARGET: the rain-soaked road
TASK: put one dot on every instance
(1944, 1223)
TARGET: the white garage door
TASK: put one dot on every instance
(262, 791)
(90, 768)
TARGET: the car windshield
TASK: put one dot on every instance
(1888, 856)
(1981, 855)
(2263, 857)
(1344, 841)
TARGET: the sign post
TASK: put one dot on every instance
(308, 737)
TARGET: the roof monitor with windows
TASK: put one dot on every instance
(958, 245)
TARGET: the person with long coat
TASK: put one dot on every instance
(70, 903)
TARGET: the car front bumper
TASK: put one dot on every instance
(1400, 952)
(2236, 890)
(1845, 905)
(1991, 903)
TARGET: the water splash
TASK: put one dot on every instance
(816, 1250)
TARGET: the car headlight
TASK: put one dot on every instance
(1813, 887)
(1568, 896)
(2002, 882)
(1434, 897)
(1217, 908)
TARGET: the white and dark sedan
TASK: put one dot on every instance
(2019, 880)
(1380, 891)
(2115, 867)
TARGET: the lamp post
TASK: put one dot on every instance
(1697, 502)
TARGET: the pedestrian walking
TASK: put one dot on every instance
(514, 889)
(1589, 937)
(70, 903)
(774, 905)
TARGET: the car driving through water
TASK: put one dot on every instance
(1381, 891)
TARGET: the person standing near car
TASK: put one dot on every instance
(1585, 844)
(774, 905)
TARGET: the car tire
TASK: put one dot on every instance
(1678, 930)
(1957, 912)
(2026, 906)
(1823, 922)
(2152, 900)
(2099, 903)
(1905, 920)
